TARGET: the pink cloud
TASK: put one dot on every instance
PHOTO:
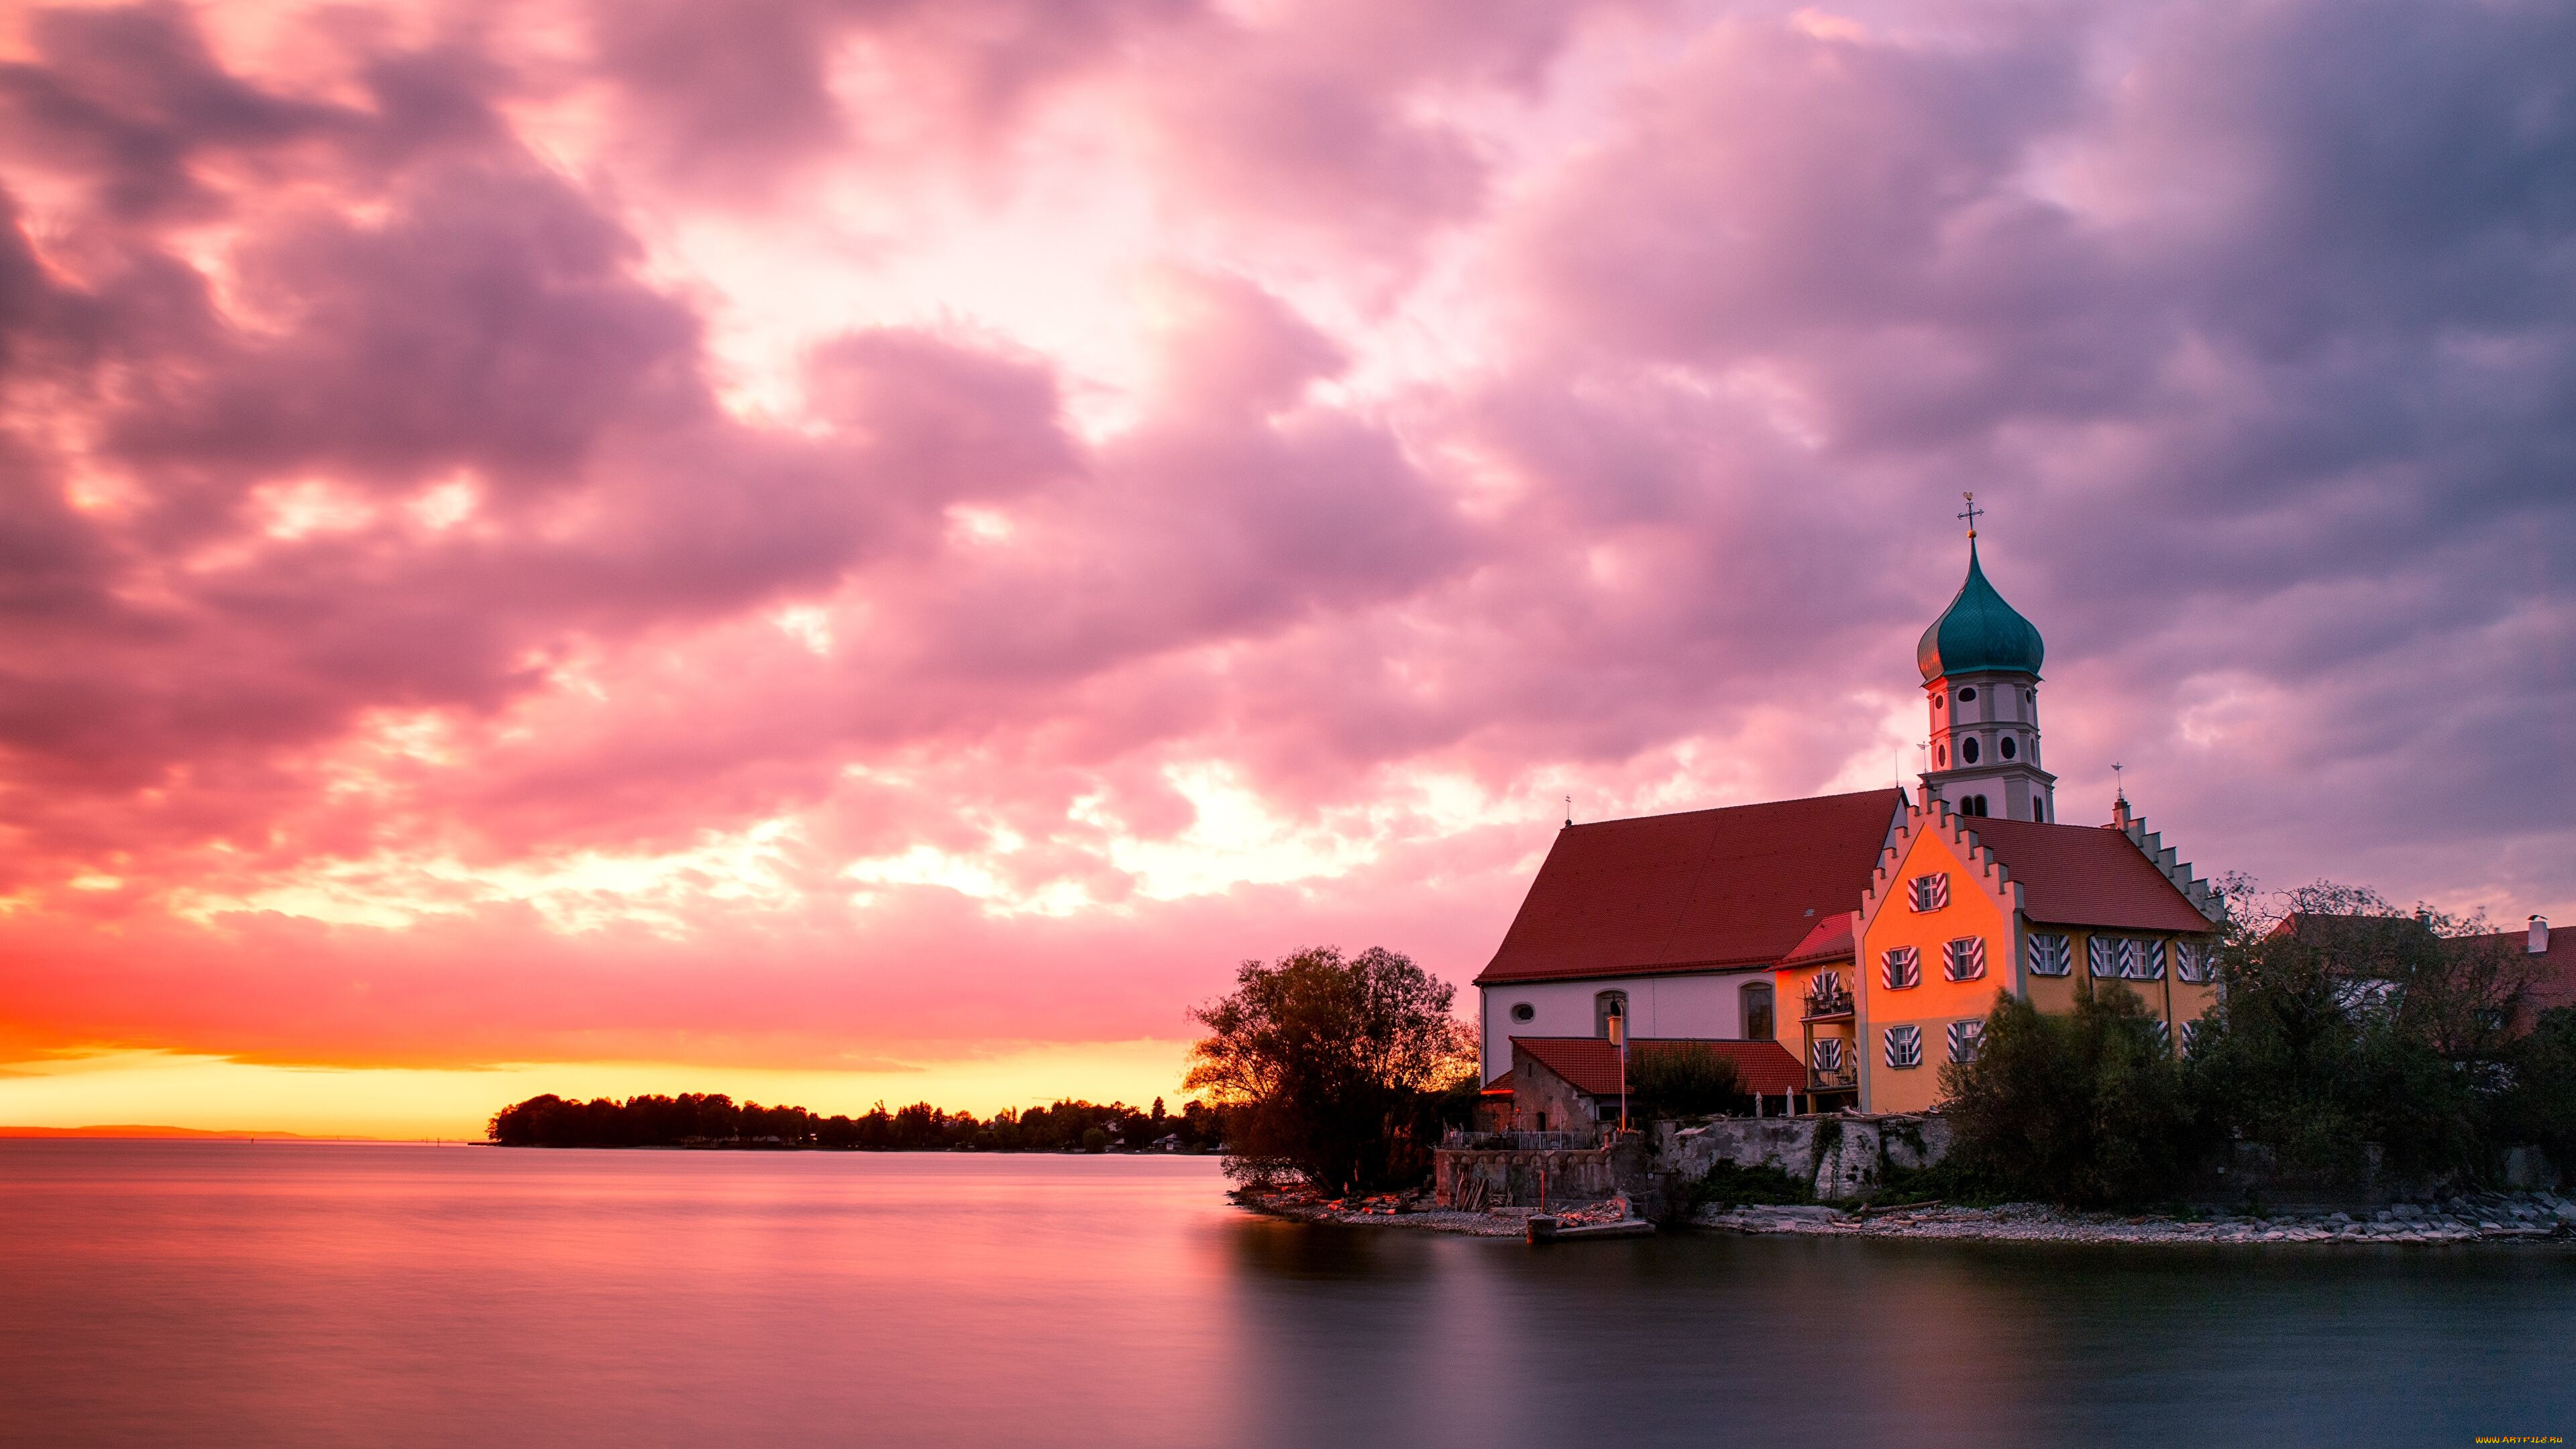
(418, 643)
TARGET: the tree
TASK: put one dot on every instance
(2083, 1109)
(2540, 1107)
(1684, 1079)
(2344, 1021)
(1332, 1068)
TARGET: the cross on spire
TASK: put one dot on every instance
(1971, 514)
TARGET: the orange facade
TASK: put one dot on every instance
(1942, 933)
(1818, 1004)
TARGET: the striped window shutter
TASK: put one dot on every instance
(1965, 958)
(1905, 1046)
(1829, 1054)
(2164, 1036)
(2102, 955)
(1904, 967)
(2050, 955)
(2190, 1036)
(1964, 1036)
(1931, 892)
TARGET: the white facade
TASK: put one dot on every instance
(1984, 746)
(1704, 1007)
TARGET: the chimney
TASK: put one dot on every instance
(2539, 944)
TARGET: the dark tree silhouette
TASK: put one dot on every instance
(1332, 1068)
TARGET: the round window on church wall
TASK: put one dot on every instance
(1968, 750)
(1967, 694)
(2006, 747)
(1523, 1011)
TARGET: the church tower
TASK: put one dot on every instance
(1980, 663)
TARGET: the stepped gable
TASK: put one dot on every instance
(1706, 890)
(2083, 875)
(1590, 1064)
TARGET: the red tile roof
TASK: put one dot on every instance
(1590, 1064)
(2553, 978)
(1700, 891)
(1830, 941)
(2083, 875)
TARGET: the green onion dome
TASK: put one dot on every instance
(1979, 633)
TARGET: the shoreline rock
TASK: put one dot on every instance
(2482, 1218)
(2487, 1218)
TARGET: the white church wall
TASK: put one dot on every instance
(1702, 1007)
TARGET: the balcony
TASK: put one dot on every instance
(1828, 1004)
(1839, 1079)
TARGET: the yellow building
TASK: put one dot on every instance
(1867, 934)
(1964, 907)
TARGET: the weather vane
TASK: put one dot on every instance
(1971, 514)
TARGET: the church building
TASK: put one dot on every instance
(1844, 946)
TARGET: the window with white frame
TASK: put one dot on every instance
(2144, 961)
(1827, 1054)
(1929, 892)
(2193, 961)
(1964, 1036)
(2102, 955)
(1902, 967)
(1904, 1046)
(2050, 955)
(1964, 959)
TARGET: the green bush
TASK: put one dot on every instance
(1948, 1181)
(1683, 1079)
(2085, 1110)
(2353, 1024)
(2540, 1105)
(1728, 1185)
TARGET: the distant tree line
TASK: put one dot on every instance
(2342, 1024)
(694, 1119)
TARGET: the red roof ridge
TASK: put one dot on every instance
(1590, 1064)
(1697, 891)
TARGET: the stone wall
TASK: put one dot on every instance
(1840, 1156)
(1513, 1177)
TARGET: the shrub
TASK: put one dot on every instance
(1683, 1079)
(2540, 1106)
(1728, 1185)
(2085, 1109)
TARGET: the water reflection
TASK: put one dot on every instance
(155, 1293)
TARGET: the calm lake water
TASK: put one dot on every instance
(184, 1293)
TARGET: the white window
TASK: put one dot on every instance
(1964, 959)
(1903, 966)
(2051, 955)
(1828, 983)
(2193, 961)
(1964, 1036)
(1828, 1054)
(2145, 961)
(1905, 1046)
(2102, 955)
(1929, 892)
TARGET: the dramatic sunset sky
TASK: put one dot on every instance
(839, 549)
